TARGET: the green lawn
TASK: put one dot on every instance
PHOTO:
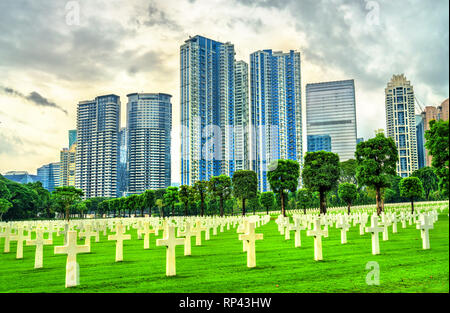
(219, 265)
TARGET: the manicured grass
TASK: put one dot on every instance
(219, 265)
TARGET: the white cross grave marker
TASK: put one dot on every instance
(170, 241)
(317, 233)
(39, 242)
(374, 229)
(72, 249)
(119, 237)
(250, 237)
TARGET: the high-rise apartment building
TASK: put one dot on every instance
(401, 123)
(276, 114)
(241, 116)
(331, 111)
(67, 162)
(207, 109)
(98, 123)
(48, 175)
(149, 125)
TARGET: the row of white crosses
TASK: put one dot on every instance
(343, 222)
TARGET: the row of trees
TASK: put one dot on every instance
(372, 175)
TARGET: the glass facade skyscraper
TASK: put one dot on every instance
(276, 114)
(122, 174)
(98, 123)
(319, 143)
(149, 125)
(420, 135)
(207, 109)
(331, 110)
(72, 137)
(401, 123)
(48, 175)
(241, 116)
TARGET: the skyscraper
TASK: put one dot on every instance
(72, 137)
(276, 115)
(149, 124)
(67, 162)
(241, 115)
(331, 110)
(48, 175)
(319, 143)
(122, 168)
(420, 139)
(98, 123)
(207, 109)
(401, 123)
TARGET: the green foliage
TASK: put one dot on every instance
(283, 176)
(220, 187)
(267, 200)
(321, 173)
(201, 189)
(148, 200)
(348, 172)
(429, 180)
(437, 144)
(411, 187)
(305, 199)
(376, 161)
(245, 186)
(5, 205)
(171, 197)
(67, 196)
(348, 192)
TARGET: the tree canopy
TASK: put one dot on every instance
(321, 173)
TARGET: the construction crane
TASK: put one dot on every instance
(418, 105)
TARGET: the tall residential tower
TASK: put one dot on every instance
(401, 123)
(149, 124)
(207, 109)
(98, 123)
(276, 113)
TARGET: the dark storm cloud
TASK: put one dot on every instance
(34, 98)
(378, 39)
(158, 17)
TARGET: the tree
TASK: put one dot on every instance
(429, 180)
(5, 205)
(437, 144)
(201, 189)
(220, 187)
(411, 187)
(171, 197)
(376, 160)
(321, 173)
(186, 196)
(245, 186)
(267, 200)
(148, 201)
(283, 176)
(348, 172)
(67, 195)
(81, 208)
(304, 198)
(160, 205)
(348, 193)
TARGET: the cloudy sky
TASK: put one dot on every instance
(55, 53)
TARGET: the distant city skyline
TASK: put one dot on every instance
(134, 47)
